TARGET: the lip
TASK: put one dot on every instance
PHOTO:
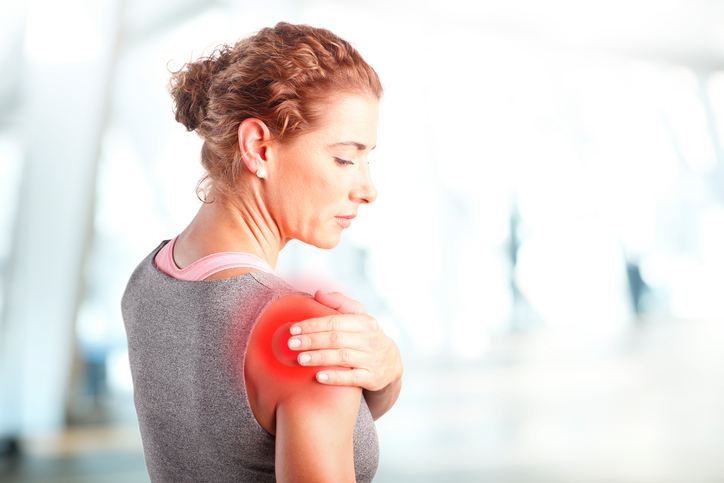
(345, 221)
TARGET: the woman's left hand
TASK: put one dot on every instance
(351, 339)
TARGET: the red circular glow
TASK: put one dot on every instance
(280, 347)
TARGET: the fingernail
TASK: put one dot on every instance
(295, 330)
(322, 377)
(294, 343)
(304, 358)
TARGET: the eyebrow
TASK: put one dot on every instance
(359, 146)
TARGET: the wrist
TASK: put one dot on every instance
(391, 387)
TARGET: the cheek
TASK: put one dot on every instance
(307, 196)
(321, 197)
(288, 197)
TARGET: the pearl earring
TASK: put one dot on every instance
(261, 173)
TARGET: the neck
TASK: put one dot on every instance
(224, 225)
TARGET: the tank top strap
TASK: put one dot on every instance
(207, 266)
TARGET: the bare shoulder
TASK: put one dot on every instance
(272, 374)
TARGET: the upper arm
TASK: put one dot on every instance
(314, 434)
(312, 422)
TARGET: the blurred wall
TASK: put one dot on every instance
(541, 165)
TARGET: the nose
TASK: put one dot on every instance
(364, 191)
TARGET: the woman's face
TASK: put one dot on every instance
(318, 180)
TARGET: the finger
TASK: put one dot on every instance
(332, 357)
(330, 340)
(337, 301)
(336, 322)
(355, 377)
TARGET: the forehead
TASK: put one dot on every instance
(349, 119)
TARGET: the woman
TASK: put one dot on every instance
(237, 375)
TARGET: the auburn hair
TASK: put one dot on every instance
(281, 75)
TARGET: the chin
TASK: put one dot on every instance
(327, 246)
(326, 243)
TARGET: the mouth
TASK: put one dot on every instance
(345, 221)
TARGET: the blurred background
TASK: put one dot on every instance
(547, 248)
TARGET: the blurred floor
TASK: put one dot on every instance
(94, 454)
(644, 406)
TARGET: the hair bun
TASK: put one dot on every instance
(189, 86)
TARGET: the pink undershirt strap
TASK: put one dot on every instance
(207, 266)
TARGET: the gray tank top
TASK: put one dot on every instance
(186, 344)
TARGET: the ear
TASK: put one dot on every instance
(254, 138)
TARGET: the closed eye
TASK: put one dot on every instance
(343, 162)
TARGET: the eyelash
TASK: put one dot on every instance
(343, 162)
